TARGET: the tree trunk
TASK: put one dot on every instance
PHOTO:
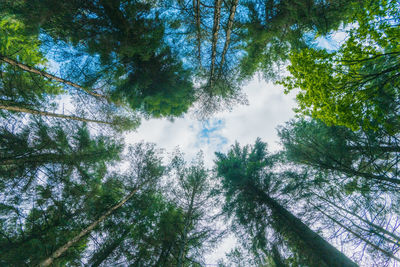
(380, 178)
(48, 114)
(228, 32)
(87, 230)
(215, 30)
(49, 76)
(387, 253)
(196, 7)
(45, 158)
(185, 230)
(314, 242)
(103, 254)
(378, 148)
(276, 257)
(377, 227)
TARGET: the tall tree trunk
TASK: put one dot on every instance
(378, 148)
(228, 32)
(380, 178)
(48, 114)
(215, 30)
(49, 76)
(196, 9)
(276, 257)
(287, 222)
(43, 158)
(185, 229)
(105, 252)
(372, 225)
(87, 230)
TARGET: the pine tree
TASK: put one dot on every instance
(248, 183)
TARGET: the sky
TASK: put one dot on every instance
(268, 107)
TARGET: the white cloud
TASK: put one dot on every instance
(268, 108)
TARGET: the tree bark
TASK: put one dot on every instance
(276, 257)
(387, 253)
(49, 261)
(378, 148)
(49, 76)
(314, 242)
(377, 227)
(48, 114)
(185, 229)
(103, 254)
(215, 30)
(196, 8)
(228, 32)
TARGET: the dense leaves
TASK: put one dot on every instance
(75, 74)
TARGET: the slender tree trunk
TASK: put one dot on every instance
(49, 76)
(380, 178)
(87, 230)
(387, 253)
(378, 148)
(105, 252)
(276, 257)
(215, 30)
(287, 222)
(377, 227)
(46, 158)
(48, 114)
(185, 230)
(228, 32)
(196, 9)
(39, 158)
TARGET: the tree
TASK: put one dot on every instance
(275, 28)
(134, 64)
(27, 89)
(355, 86)
(141, 232)
(367, 159)
(193, 195)
(346, 177)
(25, 152)
(248, 182)
(48, 173)
(146, 168)
(16, 85)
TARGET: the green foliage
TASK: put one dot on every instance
(24, 152)
(275, 28)
(19, 43)
(135, 63)
(355, 86)
(367, 159)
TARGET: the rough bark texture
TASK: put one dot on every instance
(105, 252)
(48, 114)
(49, 76)
(185, 230)
(196, 9)
(315, 243)
(215, 30)
(49, 261)
(229, 31)
(379, 148)
(387, 253)
(373, 226)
